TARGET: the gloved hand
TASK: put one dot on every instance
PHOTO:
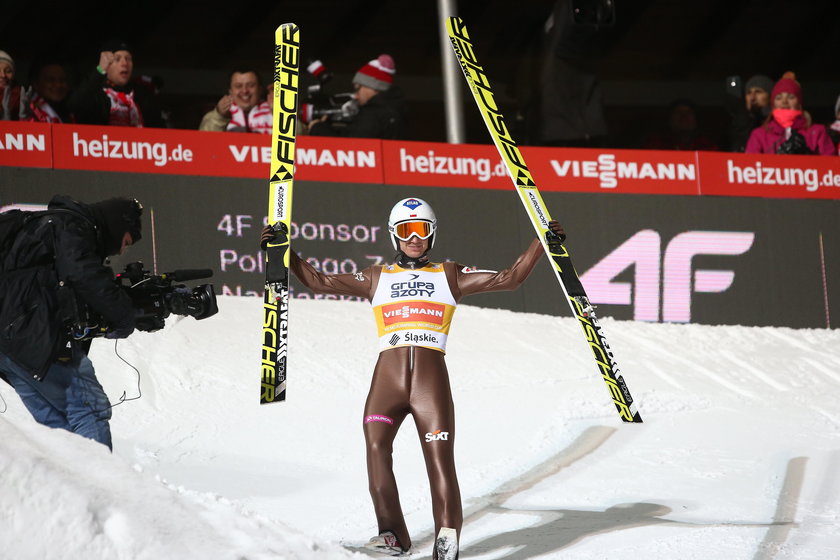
(794, 145)
(120, 332)
(557, 230)
(555, 236)
(273, 234)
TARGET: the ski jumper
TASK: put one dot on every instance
(413, 310)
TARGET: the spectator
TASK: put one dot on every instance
(560, 96)
(683, 132)
(48, 101)
(749, 108)
(107, 96)
(381, 105)
(54, 263)
(788, 129)
(834, 128)
(240, 110)
(11, 94)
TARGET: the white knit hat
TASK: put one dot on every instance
(5, 56)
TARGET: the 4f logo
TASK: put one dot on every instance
(665, 279)
(437, 435)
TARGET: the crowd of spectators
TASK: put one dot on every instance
(765, 116)
(789, 128)
(108, 94)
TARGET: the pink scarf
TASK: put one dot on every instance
(786, 117)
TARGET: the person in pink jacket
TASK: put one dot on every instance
(788, 129)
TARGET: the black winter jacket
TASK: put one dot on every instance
(91, 105)
(54, 262)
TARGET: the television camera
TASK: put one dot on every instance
(338, 108)
(154, 298)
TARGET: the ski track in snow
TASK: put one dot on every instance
(737, 457)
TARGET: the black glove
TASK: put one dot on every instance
(273, 234)
(120, 332)
(555, 236)
(794, 145)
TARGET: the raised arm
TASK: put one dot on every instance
(470, 281)
(360, 284)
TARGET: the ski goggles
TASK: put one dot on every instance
(423, 230)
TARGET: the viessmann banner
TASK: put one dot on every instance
(216, 154)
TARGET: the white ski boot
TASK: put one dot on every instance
(446, 544)
(386, 542)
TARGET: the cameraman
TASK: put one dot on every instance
(381, 105)
(54, 263)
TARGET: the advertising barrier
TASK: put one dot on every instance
(618, 171)
(215, 154)
(770, 176)
(220, 154)
(25, 144)
(647, 246)
(712, 259)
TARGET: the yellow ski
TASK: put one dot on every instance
(281, 178)
(530, 195)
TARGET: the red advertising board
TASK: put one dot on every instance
(621, 171)
(191, 152)
(770, 176)
(346, 160)
(135, 150)
(444, 165)
(356, 160)
(554, 169)
(25, 144)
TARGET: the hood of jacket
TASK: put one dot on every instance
(86, 213)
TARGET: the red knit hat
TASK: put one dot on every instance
(377, 74)
(787, 84)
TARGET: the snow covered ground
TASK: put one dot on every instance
(737, 459)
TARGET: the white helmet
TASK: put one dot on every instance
(416, 212)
